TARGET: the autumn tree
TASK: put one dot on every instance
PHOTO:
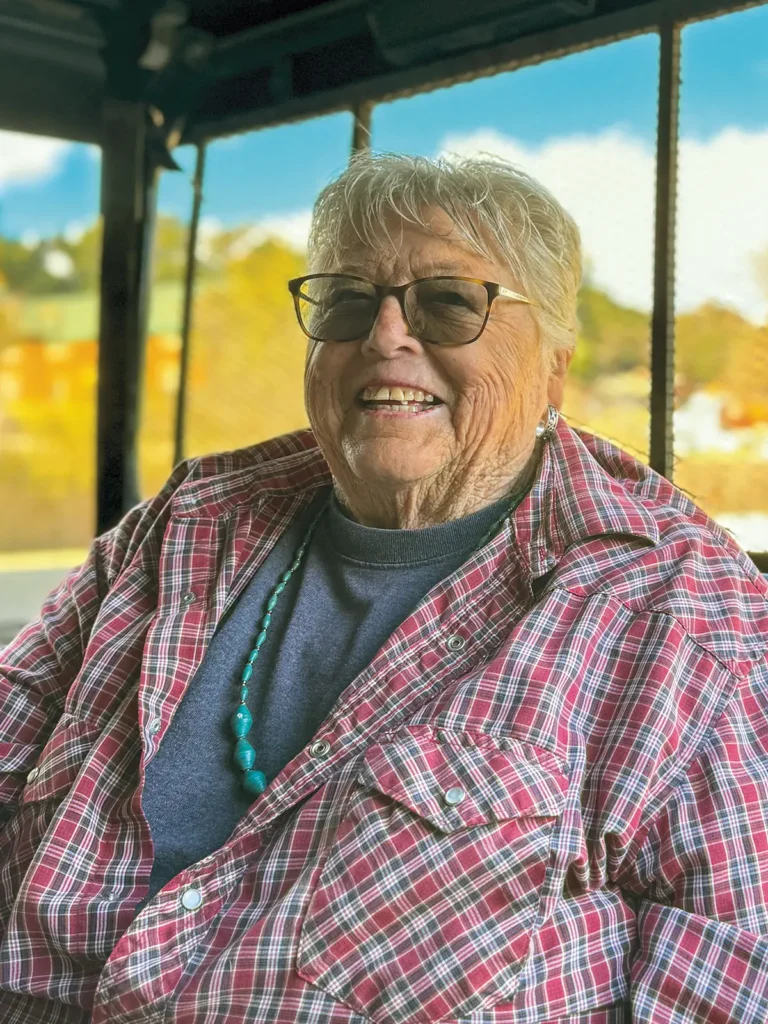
(248, 353)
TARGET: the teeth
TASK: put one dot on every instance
(396, 394)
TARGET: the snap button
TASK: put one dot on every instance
(454, 796)
(31, 776)
(456, 642)
(191, 899)
(155, 726)
(188, 597)
(320, 748)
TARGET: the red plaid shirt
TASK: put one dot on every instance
(592, 686)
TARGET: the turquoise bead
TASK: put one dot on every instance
(286, 576)
(271, 603)
(245, 755)
(253, 655)
(260, 639)
(279, 588)
(254, 782)
(243, 694)
(247, 673)
(265, 622)
(241, 720)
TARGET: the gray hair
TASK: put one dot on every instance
(498, 209)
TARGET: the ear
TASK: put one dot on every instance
(560, 362)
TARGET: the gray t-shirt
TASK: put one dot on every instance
(355, 586)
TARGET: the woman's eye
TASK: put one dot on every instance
(349, 295)
(446, 298)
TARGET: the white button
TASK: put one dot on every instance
(455, 643)
(155, 726)
(33, 775)
(454, 796)
(191, 899)
(320, 748)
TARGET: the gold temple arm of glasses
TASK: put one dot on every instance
(509, 294)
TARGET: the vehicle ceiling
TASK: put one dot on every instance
(212, 67)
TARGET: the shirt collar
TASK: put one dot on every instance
(582, 488)
(580, 492)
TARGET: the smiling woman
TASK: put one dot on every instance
(453, 689)
(404, 466)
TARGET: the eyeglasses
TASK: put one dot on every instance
(438, 310)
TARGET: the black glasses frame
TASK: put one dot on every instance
(493, 291)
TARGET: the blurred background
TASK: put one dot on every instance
(585, 124)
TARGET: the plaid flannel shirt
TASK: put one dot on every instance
(592, 685)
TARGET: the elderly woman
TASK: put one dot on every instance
(440, 711)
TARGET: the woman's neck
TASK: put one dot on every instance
(419, 504)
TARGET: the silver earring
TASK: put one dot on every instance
(546, 429)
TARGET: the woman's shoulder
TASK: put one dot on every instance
(290, 462)
(693, 572)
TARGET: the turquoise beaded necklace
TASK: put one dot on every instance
(255, 781)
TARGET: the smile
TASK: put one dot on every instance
(397, 401)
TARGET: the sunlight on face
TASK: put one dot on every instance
(489, 395)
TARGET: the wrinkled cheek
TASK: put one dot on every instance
(323, 409)
(494, 419)
(480, 416)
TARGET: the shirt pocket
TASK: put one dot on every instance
(425, 907)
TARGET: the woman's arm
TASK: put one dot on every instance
(702, 875)
(39, 666)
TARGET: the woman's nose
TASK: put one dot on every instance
(390, 332)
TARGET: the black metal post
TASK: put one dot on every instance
(189, 287)
(663, 319)
(129, 184)
(361, 128)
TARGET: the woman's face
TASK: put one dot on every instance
(489, 394)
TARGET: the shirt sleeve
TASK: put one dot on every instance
(38, 667)
(700, 880)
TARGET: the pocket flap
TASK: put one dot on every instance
(492, 779)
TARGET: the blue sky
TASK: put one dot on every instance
(725, 83)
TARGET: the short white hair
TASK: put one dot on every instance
(498, 209)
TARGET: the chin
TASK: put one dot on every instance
(389, 464)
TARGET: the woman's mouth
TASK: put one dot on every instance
(397, 400)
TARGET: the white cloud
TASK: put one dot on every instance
(25, 159)
(207, 230)
(291, 228)
(606, 181)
